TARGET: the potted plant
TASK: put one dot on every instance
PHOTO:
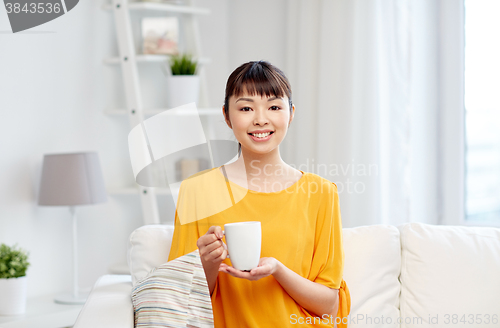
(183, 84)
(13, 265)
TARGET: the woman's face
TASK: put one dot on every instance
(250, 114)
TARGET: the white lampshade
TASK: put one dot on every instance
(167, 133)
(71, 179)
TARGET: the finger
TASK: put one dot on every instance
(227, 272)
(211, 230)
(222, 256)
(234, 272)
(218, 232)
(215, 230)
(213, 246)
(223, 267)
(216, 255)
(258, 271)
(227, 249)
(240, 274)
(212, 251)
(254, 271)
(206, 240)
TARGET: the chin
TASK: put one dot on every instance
(260, 151)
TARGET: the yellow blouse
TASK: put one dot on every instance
(301, 228)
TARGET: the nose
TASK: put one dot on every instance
(260, 117)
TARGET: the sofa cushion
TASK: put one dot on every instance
(371, 270)
(450, 276)
(174, 295)
(149, 247)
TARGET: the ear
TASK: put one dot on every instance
(292, 115)
(225, 118)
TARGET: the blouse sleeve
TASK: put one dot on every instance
(328, 260)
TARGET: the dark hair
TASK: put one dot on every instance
(257, 77)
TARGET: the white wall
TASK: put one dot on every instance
(53, 88)
(257, 31)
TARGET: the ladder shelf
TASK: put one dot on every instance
(129, 62)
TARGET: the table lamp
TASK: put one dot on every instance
(70, 180)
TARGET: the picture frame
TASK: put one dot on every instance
(160, 35)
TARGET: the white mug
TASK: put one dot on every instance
(243, 242)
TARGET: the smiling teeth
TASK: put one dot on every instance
(261, 135)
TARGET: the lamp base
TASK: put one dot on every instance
(68, 298)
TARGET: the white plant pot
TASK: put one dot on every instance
(182, 89)
(13, 296)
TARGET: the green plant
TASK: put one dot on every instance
(183, 65)
(13, 262)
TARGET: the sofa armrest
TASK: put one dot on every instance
(109, 304)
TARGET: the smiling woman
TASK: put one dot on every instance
(299, 275)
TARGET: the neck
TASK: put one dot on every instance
(262, 165)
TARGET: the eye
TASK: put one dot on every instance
(275, 108)
(245, 109)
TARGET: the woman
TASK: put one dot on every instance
(299, 277)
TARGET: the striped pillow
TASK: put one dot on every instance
(175, 294)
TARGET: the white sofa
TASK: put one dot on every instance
(413, 275)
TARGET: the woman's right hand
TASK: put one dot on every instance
(212, 248)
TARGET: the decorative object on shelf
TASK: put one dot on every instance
(183, 65)
(13, 283)
(70, 180)
(183, 84)
(160, 35)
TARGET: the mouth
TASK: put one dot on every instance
(261, 136)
